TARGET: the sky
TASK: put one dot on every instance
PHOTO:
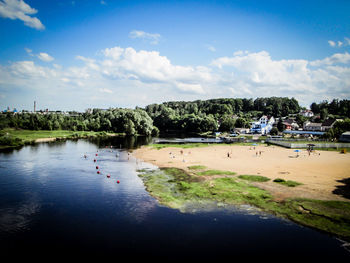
(75, 55)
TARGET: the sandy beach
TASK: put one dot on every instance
(320, 172)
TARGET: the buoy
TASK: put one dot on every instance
(94, 160)
(118, 182)
(96, 167)
(96, 154)
(98, 172)
(108, 175)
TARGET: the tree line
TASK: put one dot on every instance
(198, 116)
(217, 114)
(128, 121)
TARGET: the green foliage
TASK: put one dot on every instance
(274, 131)
(130, 122)
(202, 116)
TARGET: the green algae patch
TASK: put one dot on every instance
(254, 178)
(177, 189)
(216, 172)
(196, 167)
(288, 183)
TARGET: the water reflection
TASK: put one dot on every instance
(19, 217)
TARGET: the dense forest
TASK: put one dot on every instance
(337, 108)
(130, 122)
(205, 115)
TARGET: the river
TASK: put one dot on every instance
(52, 200)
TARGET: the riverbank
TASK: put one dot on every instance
(310, 189)
(12, 138)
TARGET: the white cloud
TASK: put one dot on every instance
(338, 43)
(211, 48)
(45, 57)
(104, 90)
(332, 43)
(258, 74)
(18, 9)
(152, 38)
(126, 77)
(103, 3)
(338, 58)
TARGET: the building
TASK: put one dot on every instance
(345, 137)
(263, 126)
(312, 126)
(324, 126)
(306, 113)
(290, 124)
(328, 124)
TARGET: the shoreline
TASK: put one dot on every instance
(203, 174)
(320, 174)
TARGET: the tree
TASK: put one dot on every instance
(274, 131)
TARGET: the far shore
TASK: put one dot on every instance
(321, 173)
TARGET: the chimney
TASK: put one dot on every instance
(34, 106)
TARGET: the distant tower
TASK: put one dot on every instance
(34, 106)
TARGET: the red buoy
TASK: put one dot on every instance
(96, 167)
(118, 182)
(98, 172)
(96, 154)
(108, 175)
(94, 160)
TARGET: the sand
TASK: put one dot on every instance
(320, 172)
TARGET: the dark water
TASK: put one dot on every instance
(52, 202)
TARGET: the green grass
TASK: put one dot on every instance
(254, 178)
(175, 188)
(197, 167)
(288, 183)
(215, 172)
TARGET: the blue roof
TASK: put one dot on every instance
(304, 132)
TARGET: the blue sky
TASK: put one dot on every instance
(91, 53)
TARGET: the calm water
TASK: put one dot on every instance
(52, 200)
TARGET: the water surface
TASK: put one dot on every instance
(52, 200)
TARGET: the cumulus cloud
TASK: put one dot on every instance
(128, 77)
(151, 38)
(332, 43)
(45, 57)
(345, 42)
(259, 74)
(18, 9)
(42, 55)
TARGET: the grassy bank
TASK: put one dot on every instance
(177, 189)
(10, 138)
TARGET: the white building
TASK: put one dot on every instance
(263, 126)
(307, 113)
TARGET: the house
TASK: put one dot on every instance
(345, 137)
(324, 126)
(306, 113)
(263, 126)
(312, 126)
(290, 124)
(328, 124)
